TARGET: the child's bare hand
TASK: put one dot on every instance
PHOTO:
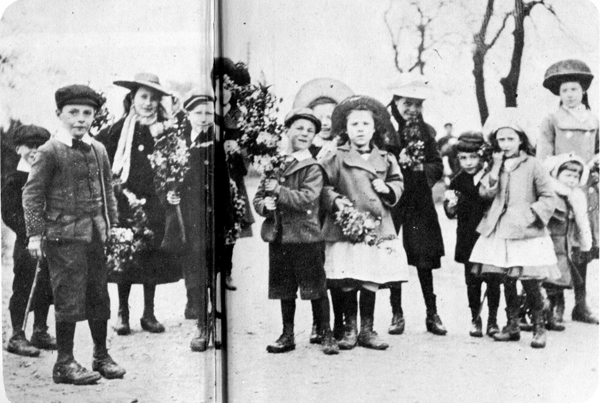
(498, 157)
(380, 186)
(271, 185)
(270, 203)
(403, 159)
(342, 202)
(35, 247)
(173, 198)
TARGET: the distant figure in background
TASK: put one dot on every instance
(447, 147)
(228, 129)
(27, 140)
(129, 142)
(322, 95)
(573, 128)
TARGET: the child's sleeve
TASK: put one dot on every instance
(487, 191)
(578, 201)
(111, 201)
(394, 181)
(259, 200)
(12, 214)
(433, 165)
(546, 196)
(329, 193)
(545, 144)
(307, 193)
(35, 190)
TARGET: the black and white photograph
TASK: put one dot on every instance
(269, 201)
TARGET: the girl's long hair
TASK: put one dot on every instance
(524, 146)
(377, 139)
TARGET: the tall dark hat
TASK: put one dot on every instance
(565, 71)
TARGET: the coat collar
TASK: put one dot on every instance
(517, 161)
(66, 138)
(567, 121)
(297, 165)
(375, 162)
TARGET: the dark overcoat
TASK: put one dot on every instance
(153, 265)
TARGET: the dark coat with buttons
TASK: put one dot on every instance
(153, 266)
(296, 219)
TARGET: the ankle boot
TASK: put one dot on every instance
(551, 322)
(199, 342)
(510, 332)
(434, 324)
(315, 334)
(285, 342)
(492, 323)
(329, 343)
(349, 340)
(122, 326)
(149, 322)
(338, 328)
(368, 337)
(398, 324)
(539, 331)
(41, 339)
(560, 307)
(476, 328)
(18, 344)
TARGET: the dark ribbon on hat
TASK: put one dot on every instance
(80, 145)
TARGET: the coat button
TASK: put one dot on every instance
(282, 180)
(141, 147)
(569, 135)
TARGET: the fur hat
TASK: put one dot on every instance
(508, 117)
(565, 71)
(303, 113)
(143, 80)
(553, 164)
(327, 88)
(30, 136)
(78, 95)
(469, 142)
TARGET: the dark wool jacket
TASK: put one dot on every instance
(296, 219)
(63, 195)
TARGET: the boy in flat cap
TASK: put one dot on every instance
(27, 139)
(70, 205)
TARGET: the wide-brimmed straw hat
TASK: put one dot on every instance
(381, 117)
(413, 86)
(303, 113)
(512, 118)
(321, 88)
(566, 71)
(143, 80)
(198, 95)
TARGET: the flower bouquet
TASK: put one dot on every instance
(485, 153)
(170, 162)
(134, 237)
(415, 146)
(103, 118)
(239, 207)
(358, 226)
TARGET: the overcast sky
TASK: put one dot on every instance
(66, 41)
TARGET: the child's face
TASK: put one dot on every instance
(146, 102)
(324, 112)
(27, 153)
(569, 178)
(77, 119)
(361, 127)
(409, 108)
(571, 94)
(469, 162)
(301, 134)
(202, 116)
(508, 141)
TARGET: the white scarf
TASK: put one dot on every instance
(122, 160)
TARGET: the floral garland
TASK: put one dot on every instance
(415, 146)
(239, 207)
(485, 153)
(261, 132)
(125, 242)
(358, 226)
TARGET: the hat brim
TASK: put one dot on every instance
(310, 118)
(80, 101)
(133, 85)
(321, 88)
(412, 92)
(554, 81)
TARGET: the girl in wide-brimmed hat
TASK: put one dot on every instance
(573, 128)
(129, 142)
(514, 242)
(322, 95)
(415, 213)
(363, 175)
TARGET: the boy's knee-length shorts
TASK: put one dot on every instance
(78, 277)
(297, 266)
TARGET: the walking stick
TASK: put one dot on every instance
(38, 269)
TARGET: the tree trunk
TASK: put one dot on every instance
(478, 62)
(510, 83)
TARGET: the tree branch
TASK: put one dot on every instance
(504, 20)
(392, 38)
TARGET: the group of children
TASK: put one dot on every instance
(519, 218)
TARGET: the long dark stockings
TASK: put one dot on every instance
(98, 328)
(65, 333)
